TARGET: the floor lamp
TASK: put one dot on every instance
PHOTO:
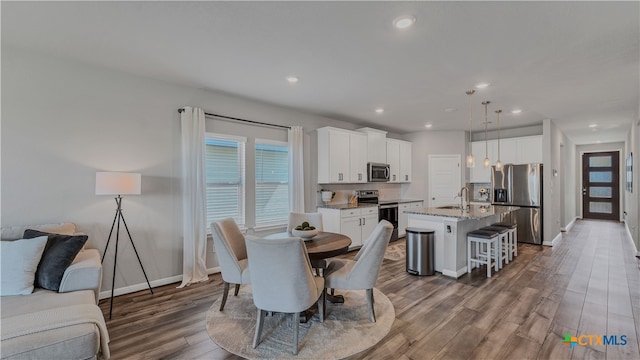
(119, 183)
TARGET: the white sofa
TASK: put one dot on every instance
(66, 324)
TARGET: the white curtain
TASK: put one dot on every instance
(296, 169)
(194, 217)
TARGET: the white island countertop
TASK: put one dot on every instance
(475, 212)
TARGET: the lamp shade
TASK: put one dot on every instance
(118, 183)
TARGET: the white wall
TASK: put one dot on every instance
(62, 121)
(569, 174)
(552, 185)
(631, 198)
(432, 143)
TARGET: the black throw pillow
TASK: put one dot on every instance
(58, 254)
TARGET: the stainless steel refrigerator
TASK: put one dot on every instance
(521, 185)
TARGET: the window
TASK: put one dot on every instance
(225, 159)
(272, 183)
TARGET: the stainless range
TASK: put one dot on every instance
(386, 210)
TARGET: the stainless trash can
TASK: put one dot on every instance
(420, 251)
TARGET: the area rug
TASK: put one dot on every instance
(396, 251)
(346, 330)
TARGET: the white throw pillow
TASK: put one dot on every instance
(20, 260)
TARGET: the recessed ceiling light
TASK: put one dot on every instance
(483, 85)
(516, 111)
(428, 126)
(598, 142)
(450, 109)
(593, 125)
(404, 21)
(292, 79)
(379, 110)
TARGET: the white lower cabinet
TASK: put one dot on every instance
(403, 218)
(356, 223)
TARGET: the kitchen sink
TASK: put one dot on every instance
(450, 207)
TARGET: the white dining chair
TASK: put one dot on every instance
(361, 273)
(231, 252)
(285, 282)
(296, 218)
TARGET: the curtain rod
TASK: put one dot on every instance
(244, 120)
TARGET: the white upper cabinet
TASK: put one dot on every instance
(342, 156)
(508, 151)
(529, 149)
(393, 159)
(376, 145)
(399, 160)
(405, 161)
(357, 157)
(519, 150)
(479, 173)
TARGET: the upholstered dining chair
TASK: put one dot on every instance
(361, 273)
(296, 219)
(231, 252)
(284, 283)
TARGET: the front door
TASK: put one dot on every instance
(601, 185)
(444, 180)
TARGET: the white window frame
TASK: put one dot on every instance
(243, 174)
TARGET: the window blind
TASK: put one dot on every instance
(225, 178)
(272, 183)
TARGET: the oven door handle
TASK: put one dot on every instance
(387, 206)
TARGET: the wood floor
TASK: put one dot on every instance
(588, 284)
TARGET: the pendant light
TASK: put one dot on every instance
(471, 161)
(486, 163)
(498, 162)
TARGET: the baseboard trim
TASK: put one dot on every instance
(454, 274)
(633, 244)
(569, 226)
(555, 240)
(143, 286)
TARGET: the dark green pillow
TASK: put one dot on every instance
(57, 256)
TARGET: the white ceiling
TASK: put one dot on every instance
(576, 63)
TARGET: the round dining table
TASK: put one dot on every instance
(322, 246)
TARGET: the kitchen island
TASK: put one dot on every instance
(451, 226)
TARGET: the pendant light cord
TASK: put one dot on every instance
(486, 121)
(498, 112)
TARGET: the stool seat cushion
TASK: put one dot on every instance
(506, 225)
(498, 229)
(483, 234)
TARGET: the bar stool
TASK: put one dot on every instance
(479, 239)
(503, 242)
(513, 237)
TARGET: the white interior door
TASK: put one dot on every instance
(444, 179)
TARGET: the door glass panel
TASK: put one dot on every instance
(600, 207)
(600, 176)
(600, 161)
(600, 192)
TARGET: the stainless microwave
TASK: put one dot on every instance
(377, 172)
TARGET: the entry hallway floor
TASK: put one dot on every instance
(588, 284)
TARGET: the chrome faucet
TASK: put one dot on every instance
(462, 198)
